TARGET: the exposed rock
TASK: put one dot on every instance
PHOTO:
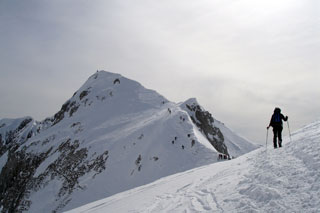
(75, 124)
(117, 80)
(30, 134)
(73, 109)
(70, 107)
(24, 123)
(60, 115)
(204, 121)
(9, 142)
(15, 180)
(138, 162)
(17, 176)
(83, 94)
(49, 139)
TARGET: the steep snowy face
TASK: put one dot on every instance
(111, 136)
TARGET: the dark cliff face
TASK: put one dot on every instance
(18, 167)
(12, 138)
(204, 121)
(18, 179)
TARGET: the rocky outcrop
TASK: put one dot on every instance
(11, 139)
(18, 176)
(204, 121)
(18, 179)
(69, 106)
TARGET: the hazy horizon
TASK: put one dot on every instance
(240, 59)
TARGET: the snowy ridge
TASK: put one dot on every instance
(111, 136)
(272, 180)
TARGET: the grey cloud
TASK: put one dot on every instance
(239, 58)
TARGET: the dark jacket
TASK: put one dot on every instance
(276, 119)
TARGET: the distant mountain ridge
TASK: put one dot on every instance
(111, 136)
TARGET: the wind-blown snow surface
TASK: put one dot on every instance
(111, 136)
(236, 144)
(265, 180)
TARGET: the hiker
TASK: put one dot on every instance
(276, 123)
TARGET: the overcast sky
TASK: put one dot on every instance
(239, 58)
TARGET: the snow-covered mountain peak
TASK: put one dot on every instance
(104, 86)
(111, 136)
(110, 95)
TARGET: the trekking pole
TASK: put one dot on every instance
(289, 130)
(267, 138)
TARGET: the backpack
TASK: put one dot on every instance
(277, 118)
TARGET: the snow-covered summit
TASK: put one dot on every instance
(111, 93)
(105, 85)
(111, 136)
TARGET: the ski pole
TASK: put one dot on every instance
(267, 138)
(289, 130)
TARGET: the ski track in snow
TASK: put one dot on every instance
(266, 180)
(273, 184)
(276, 184)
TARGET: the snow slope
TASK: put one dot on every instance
(112, 135)
(236, 144)
(265, 180)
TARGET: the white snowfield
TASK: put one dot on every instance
(265, 180)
